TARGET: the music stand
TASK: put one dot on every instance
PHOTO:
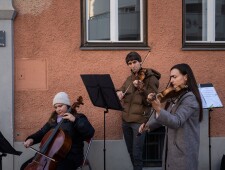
(6, 148)
(210, 100)
(102, 94)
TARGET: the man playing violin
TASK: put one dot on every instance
(134, 93)
(181, 117)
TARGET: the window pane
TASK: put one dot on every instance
(98, 20)
(129, 20)
(220, 20)
(194, 20)
(108, 24)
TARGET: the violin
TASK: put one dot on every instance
(54, 146)
(140, 75)
(170, 92)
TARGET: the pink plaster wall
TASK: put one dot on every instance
(50, 30)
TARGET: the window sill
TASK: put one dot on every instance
(203, 47)
(114, 48)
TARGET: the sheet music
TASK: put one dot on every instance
(210, 98)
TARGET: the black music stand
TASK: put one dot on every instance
(102, 94)
(6, 148)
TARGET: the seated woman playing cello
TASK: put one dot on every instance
(77, 129)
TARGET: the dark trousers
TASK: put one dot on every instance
(134, 143)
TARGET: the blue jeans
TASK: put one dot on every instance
(134, 143)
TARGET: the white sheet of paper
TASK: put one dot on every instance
(210, 98)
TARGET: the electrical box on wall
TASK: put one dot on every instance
(2, 38)
(30, 74)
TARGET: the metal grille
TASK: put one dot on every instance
(153, 147)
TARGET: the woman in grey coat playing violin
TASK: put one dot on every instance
(181, 117)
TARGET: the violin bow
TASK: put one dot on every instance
(126, 89)
(145, 58)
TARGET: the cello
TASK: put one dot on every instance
(54, 146)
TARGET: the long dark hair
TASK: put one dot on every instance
(185, 69)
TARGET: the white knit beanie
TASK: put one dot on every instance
(62, 98)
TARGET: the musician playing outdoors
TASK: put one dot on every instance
(75, 125)
(133, 95)
(181, 117)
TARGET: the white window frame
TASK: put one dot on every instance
(208, 29)
(114, 24)
(209, 7)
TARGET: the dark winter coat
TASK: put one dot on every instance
(79, 131)
(135, 102)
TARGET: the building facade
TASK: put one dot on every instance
(47, 44)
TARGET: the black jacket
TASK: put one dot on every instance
(79, 131)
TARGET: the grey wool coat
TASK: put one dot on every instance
(181, 143)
